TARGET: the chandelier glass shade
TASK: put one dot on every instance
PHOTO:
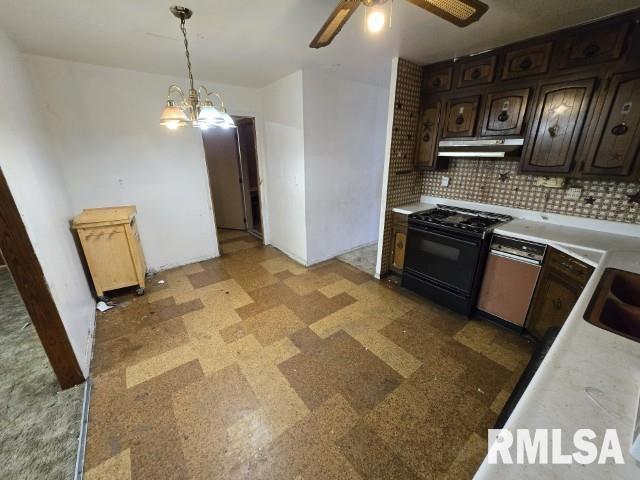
(195, 107)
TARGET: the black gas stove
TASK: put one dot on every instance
(462, 219)
(446, 251)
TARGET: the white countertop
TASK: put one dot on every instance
(413, 208)
(591, 377)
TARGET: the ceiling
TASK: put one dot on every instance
(255, 42)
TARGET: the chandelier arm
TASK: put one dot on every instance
(175, 88)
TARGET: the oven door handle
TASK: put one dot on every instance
(451, 236)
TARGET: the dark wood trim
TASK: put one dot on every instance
(26, 270)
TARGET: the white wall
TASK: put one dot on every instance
(344, 139)
(38, 190)
(104, 125)
(284, 173)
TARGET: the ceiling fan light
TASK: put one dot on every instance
(375, 21)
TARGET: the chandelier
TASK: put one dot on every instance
(194, 108)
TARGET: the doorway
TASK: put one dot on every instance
(234, 182)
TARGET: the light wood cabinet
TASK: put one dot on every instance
(560, 284)
(398, 242)
(111, 245)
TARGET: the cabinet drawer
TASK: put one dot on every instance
(570, 267)
(477, 72)
(615, 138)
(593, 46)
(527, 61)
(438, 80)
(460, 119)
(504, 113)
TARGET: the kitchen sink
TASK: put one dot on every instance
(615, 306)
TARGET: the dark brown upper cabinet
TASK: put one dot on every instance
(614, 149)
(524, 62)
(595, 45)
(504, 113)
(460, 118)
(476, 72)
(556, 126)
(427, 135)
(438, 80)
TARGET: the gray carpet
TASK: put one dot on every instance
(39, 424)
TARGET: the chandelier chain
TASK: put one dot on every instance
(186, 47)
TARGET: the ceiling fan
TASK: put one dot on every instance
(458, 12)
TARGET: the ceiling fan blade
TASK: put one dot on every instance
(334, 23)
(458, 12)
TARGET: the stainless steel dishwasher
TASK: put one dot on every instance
(510, 278)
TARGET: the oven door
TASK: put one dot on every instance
(442, 257)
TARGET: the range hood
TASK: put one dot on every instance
(495, 148)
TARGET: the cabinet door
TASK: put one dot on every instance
(427, 135)
(438, 80)
(477, 72)
(527, 61)
(504, 113)
(615, 139)
(594, 46)
(556, 126)
(553, 301)
(399, 248)
(460, 120)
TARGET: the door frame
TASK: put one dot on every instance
(29, 278)
(247, 193)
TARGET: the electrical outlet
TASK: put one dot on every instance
(573, 193)
(549, 182)
(444, 182)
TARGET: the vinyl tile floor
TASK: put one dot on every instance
(250, 366)
(39, 424)
(363, 258)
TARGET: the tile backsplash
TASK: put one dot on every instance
(498, 182)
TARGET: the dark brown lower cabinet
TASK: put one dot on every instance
(560, 284)
(398, 242)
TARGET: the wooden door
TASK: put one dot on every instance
(438, 80)
(428, 135)
(556, 126)
(504, 113)
(554, 300)
(615, 138)
(225, 177)
(528, 61)
(460, 119)
(476, 72)
(595, 45)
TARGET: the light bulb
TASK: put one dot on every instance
(172, 125)
(375, 21)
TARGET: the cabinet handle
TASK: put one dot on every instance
(526, 63)
(620, 129)
(591, 49)
(503, 117)
(553, 131)
(557, 303)
(459, 119)
(400, 244)
(436, 82)
(475, 75)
